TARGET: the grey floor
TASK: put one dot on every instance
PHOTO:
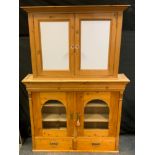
(127, 147)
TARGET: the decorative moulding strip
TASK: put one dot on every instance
(83, 8)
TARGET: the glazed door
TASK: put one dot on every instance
(54, 40)
(95, 44)
(97, 114)
(53, 114)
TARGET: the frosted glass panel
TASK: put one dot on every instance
(55, 45)
(94, 44)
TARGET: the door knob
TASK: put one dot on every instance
(72, 46)
(77, 47)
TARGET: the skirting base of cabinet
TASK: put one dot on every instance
(117, 151)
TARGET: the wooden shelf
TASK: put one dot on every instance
(96, 105)
(53, 105)
(54, 118)
(53, 129)
(96, 118)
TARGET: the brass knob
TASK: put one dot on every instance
(72, 46)
(77, 47)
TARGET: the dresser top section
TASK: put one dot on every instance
(75, 8)
(30, 79)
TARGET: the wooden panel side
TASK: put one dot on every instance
(32, 44)
(114, 103)
(32, 118)
(119, 119)
(118, 42)
(37, 114)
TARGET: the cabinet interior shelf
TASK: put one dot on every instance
(62, 118)
(93, 105)
(52, 105)
(54, 117)
(96, 118)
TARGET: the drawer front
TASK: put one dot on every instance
(63, 143)
(100, 144)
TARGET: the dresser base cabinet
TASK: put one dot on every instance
(75, 114)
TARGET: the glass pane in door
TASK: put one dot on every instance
(53, 115)
(55, 45)
(95, 44)
(96, 115)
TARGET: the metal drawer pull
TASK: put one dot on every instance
(96, 144)
(53, 143)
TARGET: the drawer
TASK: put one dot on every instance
(63, 143)
(96, 143)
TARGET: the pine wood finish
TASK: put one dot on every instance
(105, 144)
(75, 94)
(54, 17)
(63, 143)
(74, 14)
(78, 8)
(76, 109)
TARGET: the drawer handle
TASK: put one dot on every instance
(96, 144)
(54, 143)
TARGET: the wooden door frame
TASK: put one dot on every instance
(37, 51)
(111, 55)
(111, 98)
(39, 99)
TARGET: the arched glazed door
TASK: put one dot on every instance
(54, 114)
(96, 114)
